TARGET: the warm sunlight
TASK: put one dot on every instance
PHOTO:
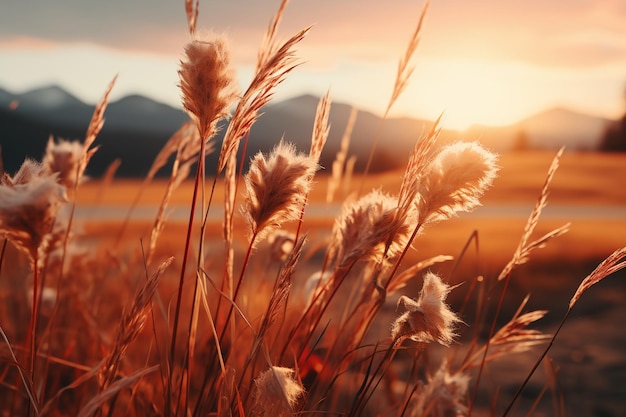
(495, 93)
(272, 224)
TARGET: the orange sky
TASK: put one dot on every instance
(489, 61)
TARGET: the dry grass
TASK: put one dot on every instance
(271, 302)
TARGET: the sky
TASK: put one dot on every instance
(491, 62)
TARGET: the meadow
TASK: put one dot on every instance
(438, 290)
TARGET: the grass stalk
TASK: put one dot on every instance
(181, 281)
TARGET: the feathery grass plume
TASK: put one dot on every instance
(427, 319)
(269, 46)
(277, 392)
(612, 264)
(29, 202)
(207, 82)
(321, 128)
(64, 157)
(455, 180)
(29, 170)
(403, 73)
(405, 70)
(94, 128)
(369, 229)
(276, 188)
(421, 157)
(270, 73)
(339, 164)
(524, 248)
(442, 396)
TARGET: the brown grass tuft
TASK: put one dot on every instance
(278, 392)
(427, 319)
(29, 203)
(277, 187)
(208, 83)
(454, 181)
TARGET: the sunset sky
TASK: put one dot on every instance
(492, 62)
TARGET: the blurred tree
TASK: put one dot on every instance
(614, 138)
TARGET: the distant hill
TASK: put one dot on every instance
(136, 128)
(550, 129)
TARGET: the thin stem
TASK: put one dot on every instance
(344, 273)
(2, 252)
(183, 268)
(534, 368)
(228, 220)
(193, 318)
(363, 397)
(487, 344)
(236, 293)
(32, 328)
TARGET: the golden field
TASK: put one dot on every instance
(586, 186)
(111, 307)
(585, 180)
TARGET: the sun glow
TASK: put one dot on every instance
(469, 92)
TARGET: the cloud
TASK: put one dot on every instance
(545, 33)
(585, 33)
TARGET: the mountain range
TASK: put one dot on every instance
(136, 128)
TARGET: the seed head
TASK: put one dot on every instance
(63, 157)
(277, 187)
(369, 225)
(427, 319)
(29, 202)
(207, 82)
(278, 392)
(455, 180)
(443, 395)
